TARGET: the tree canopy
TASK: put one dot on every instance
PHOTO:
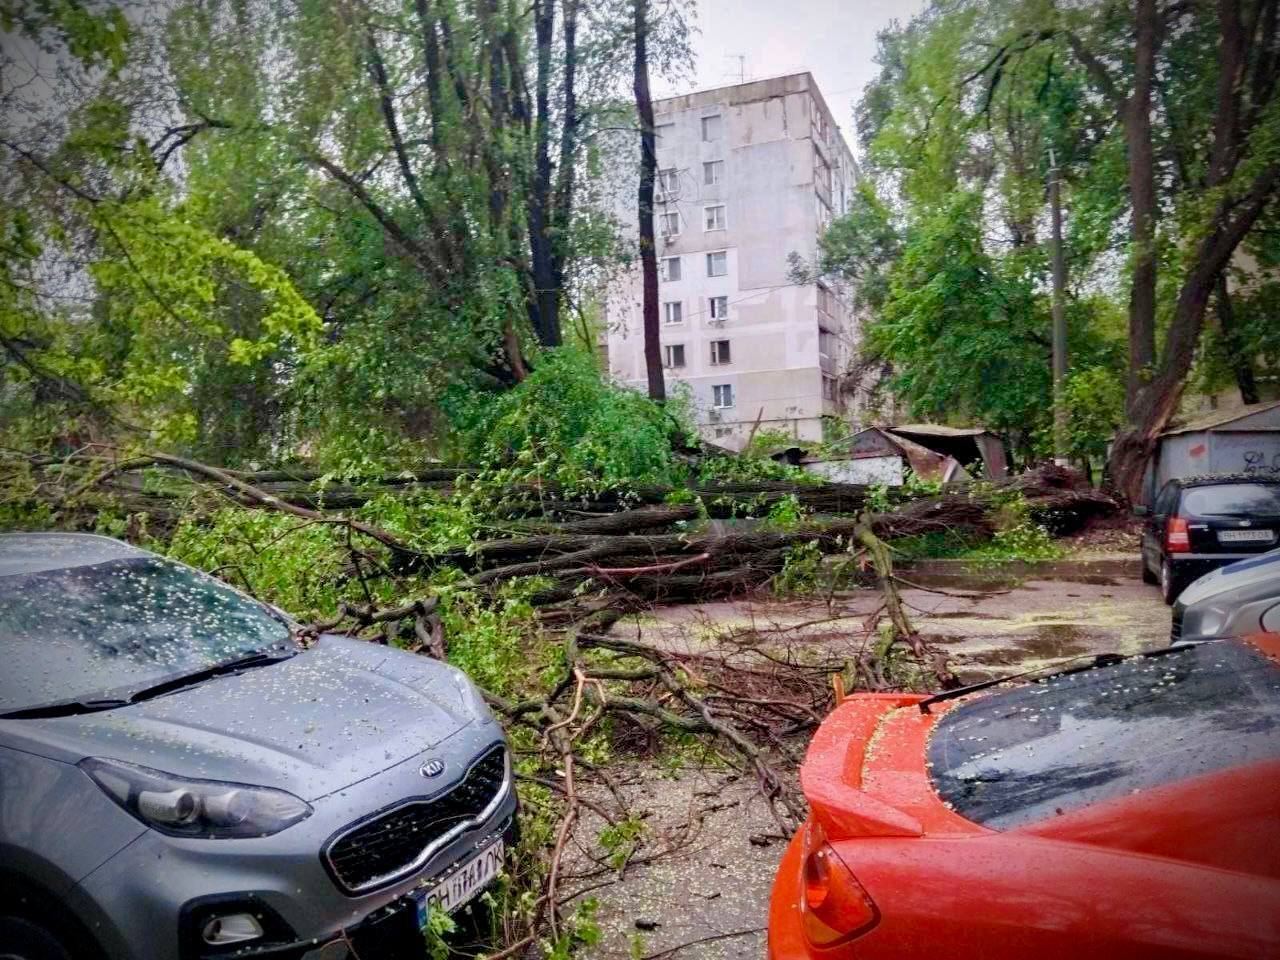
(245, 227)
(1160, 123)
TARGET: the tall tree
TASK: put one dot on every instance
(1232, 179)
(1166, 116)
(648, 170)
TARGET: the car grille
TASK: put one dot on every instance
(404, 839)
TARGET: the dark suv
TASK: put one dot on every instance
(1199, 524)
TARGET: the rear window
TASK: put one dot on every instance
(1069, 741)
(1233, 500)
(110, 627)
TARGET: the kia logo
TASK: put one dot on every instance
(432, 768)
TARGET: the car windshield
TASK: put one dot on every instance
(1233, 500)
(80, 631)
(1076, 739)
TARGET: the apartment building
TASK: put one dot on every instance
(748, 175)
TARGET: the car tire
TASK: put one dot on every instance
(1147, 575)
(22, 939)
(1171, 583)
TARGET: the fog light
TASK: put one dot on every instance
(233, 928)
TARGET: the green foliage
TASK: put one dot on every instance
(439, 925)
(787, 513)
(964, 332)
(277, 558)
(567, 425)
(1095, 410)
(619, 841)
(491, 642)
(799, 576)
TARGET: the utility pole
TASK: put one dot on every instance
(1059, 316)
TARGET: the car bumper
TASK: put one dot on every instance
(786, 936)
(150, 900)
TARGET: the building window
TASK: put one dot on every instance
(712, 172)
(669, 182)
(663, 132)
(711, 128)
(669, 268)
(673, 312)
(719, 352)
(821, 172)
(825, 301)
(822, 212)
(826, 343)
(724, 432)
(673, 355)
(719, 308)
(828, 387)
(722, 396)
(669, 223)
(713, 217)
(717, 264)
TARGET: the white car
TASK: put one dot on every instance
(1232, 601)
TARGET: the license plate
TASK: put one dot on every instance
(1245, 536)
(457, 889)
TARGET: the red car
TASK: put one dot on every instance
(1126, 809)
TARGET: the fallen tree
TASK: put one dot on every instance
(593, 557)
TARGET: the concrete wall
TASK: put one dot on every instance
(1218, 451)
(774, 153)
(890, 471)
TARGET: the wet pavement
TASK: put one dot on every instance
(714, 887)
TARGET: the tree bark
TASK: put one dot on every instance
(1153, 405)
(1241, 364)
(544, 306)
(1142, 197)
(648, 168)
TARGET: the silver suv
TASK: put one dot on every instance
(182, 777)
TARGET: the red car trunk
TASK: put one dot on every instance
(945, 833)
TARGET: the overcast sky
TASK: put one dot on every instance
(833, 39)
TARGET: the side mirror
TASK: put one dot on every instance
(1141, 511)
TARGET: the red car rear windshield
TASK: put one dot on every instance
(1068, 741)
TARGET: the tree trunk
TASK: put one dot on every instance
(1158, 400)
(648, 168)
(1241, 364)
(1153, 404)
(544, 307)
(1142, 196)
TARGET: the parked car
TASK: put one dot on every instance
(1197, 525)
(1123, 809)
(183, 776)
(1238, 599)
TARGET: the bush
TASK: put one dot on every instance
(567, 424)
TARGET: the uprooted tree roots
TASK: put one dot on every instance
(597, 558)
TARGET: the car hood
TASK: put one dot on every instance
(331, 716)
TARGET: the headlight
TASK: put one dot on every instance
(472, 698)
(195, 808)
(1209, 623)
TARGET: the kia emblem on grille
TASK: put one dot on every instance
(432, 768)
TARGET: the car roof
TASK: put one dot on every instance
(1210, 480)
(23, 553)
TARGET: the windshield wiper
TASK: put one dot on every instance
(1095, 660)
(73, 708)
(259, 658)
(65, 708)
